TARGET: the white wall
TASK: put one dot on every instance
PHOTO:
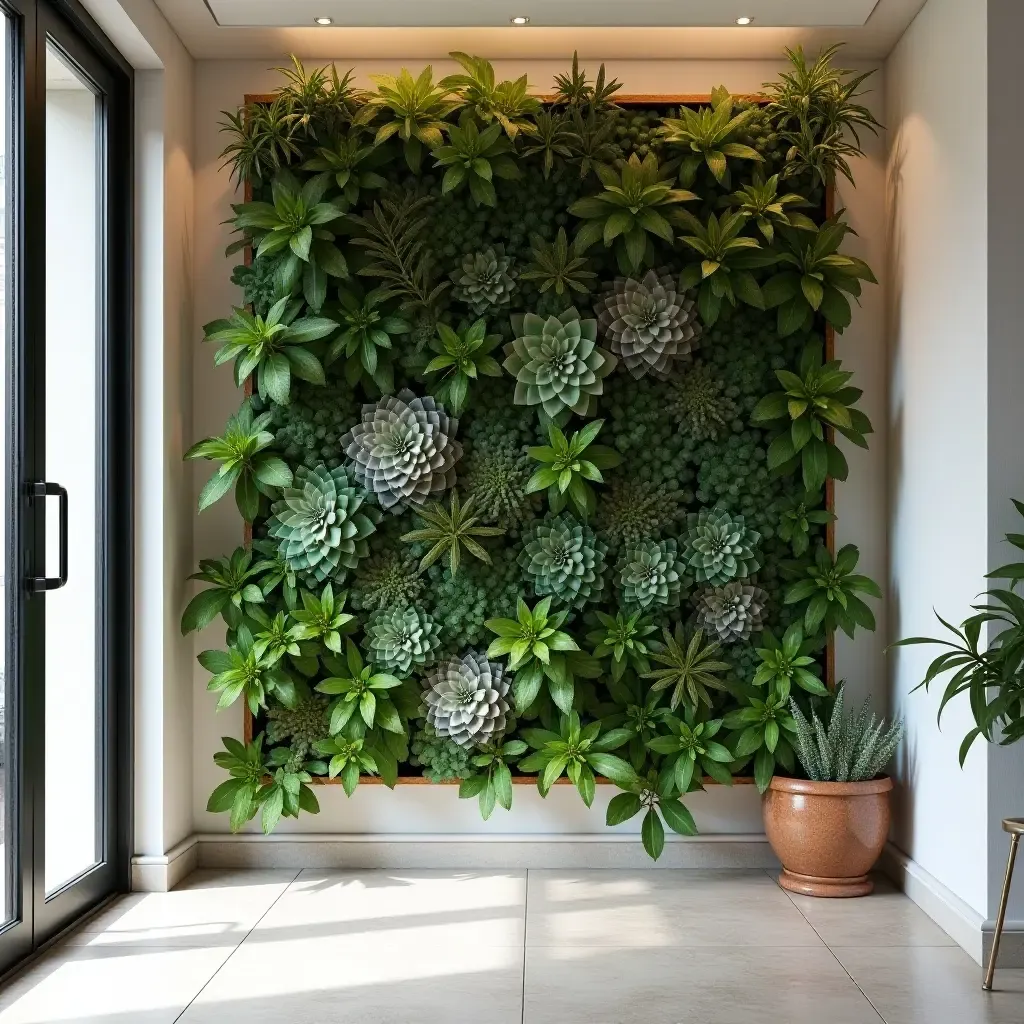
(221, 85)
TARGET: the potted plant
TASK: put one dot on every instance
(829, 829)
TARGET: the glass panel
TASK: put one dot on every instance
(72, 349)
(8, 848)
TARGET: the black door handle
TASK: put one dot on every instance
(43, 489)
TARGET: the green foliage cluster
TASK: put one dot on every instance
(541, 423)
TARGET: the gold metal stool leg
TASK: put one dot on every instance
(987, 983)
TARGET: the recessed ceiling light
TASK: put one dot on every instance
(744, 21)
(520, 19)
(324, 21)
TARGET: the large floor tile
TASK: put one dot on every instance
(210, 908)
(885, 918)
(933, 985)
(662, 908)
(589, 985)
(109, 985)
(384, 909)
(311, 981)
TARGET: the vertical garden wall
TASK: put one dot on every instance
(539, 436)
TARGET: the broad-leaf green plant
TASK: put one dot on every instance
(557, 267)
(622, 638)
(655, 796)
(509, 103)
(352, 161)
(796, 522)
(492, 783)
(816, 400)
(349, 759)
(233, 590)
(763, 728)
(761, 202)
(690, 750)
(828, 592)
(569, 466)
(241, 671)
(259, 783)
(789, 662)
(578, 751)
(365, 339)
(462, 355)
(475, 158)
(361, 696)
(273, 347)
(245, 463)
(324, 619)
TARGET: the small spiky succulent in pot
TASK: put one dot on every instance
(719, 547)
(557, 364)
(700, 405)
(321, 524)
(563, 559)
(404, 449)
(304, 724)
(732, 612)
(400, 638)
(649, 323)
(465, 698)
(652, 573)
(485, 280)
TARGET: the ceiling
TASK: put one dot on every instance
(687, 29)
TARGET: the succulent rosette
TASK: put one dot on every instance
(564, 559)
(465, 699)
(733, 612)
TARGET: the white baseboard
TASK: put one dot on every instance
(962, 923)
(471, 852)
(163, 873)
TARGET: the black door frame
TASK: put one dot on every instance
(70, 29)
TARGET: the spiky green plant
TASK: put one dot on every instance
(636, 206)
(234, 589)
(796, 521)
(575, 89)
(761, 202)
(710, 134)
(557, 266)
(623, 638)
(324, 619)
(851, 749)
(352, 164)
(509, 103)
(690, 668)
(448, 531)
(321, 524)
(261, 139)
(557, 364)
(549, 135)
(365, 339)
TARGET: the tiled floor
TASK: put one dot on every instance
(490, 947)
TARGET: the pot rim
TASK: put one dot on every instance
(883, 784)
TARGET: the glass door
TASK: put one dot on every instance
(68, 487)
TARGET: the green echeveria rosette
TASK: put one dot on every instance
(404, 450)
(465, 699)
(733, 612)
(649, 324)
(557, 364)
(401, 638)
(485, 280)
(563, 559)
(719, 547)
(652, 573)
(321, 524)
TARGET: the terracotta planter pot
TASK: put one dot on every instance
(827, 835)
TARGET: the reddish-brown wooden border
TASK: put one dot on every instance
(633, 99)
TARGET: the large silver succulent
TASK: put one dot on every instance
(648, 323)
(404, 450)
(465, 698)
(485, 280)
(731, 612)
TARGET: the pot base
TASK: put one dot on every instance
(812, 885)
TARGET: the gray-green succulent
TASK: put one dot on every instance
(650, 325)
(404, 450)
(485, 280)
(652, 573)
(321, 524)
(732, 612)
(465, 699)
(557, 364)
(401, 638)
(719, 547)
(563, 559)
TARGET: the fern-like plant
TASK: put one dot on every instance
(851, 749)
